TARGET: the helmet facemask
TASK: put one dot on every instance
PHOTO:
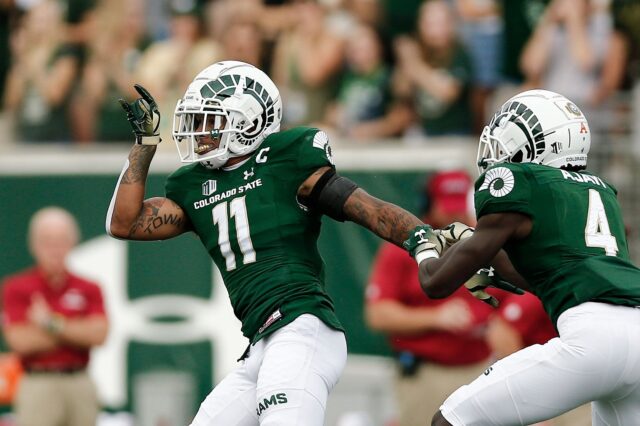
(505, 139)
(491, 150)
(227, 124)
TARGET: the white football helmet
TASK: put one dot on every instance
(536, 126)
(230, 103)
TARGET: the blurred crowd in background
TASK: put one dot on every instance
(363, 70)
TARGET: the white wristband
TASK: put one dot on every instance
(148, 140)
(426, 254)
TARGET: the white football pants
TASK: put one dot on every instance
(285, 380)
(596, 358)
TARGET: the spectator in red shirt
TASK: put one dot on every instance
(439, 343)
(521, 321)
(51, 319)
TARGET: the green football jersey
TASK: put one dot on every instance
(262, 240)
(577, 250)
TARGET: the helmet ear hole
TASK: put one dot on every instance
(517, 158)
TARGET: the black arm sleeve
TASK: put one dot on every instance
(329, 195)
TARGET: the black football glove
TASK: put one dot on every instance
(144, 117)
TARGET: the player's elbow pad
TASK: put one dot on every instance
(329, 195)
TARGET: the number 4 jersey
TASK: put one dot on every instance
(577, 250)
(261, 239)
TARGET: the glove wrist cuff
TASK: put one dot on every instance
(426, 254)
(148, 140)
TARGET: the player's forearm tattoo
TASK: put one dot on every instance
(139, 160)
(150, 219)
(385, 219)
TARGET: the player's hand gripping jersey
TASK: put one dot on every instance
(262, 240)
(577, 250)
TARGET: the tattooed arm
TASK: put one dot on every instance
(130, 217)
(386, 220)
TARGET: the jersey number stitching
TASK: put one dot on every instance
(238, 210)
(597, 232)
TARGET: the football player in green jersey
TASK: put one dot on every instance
(562, 230)
(254, 196)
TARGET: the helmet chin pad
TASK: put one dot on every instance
(216, 162)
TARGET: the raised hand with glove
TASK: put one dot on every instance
(130, 216)
(144, 117)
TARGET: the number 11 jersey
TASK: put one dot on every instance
(262, 240)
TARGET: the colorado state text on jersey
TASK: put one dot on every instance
(228, 193)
